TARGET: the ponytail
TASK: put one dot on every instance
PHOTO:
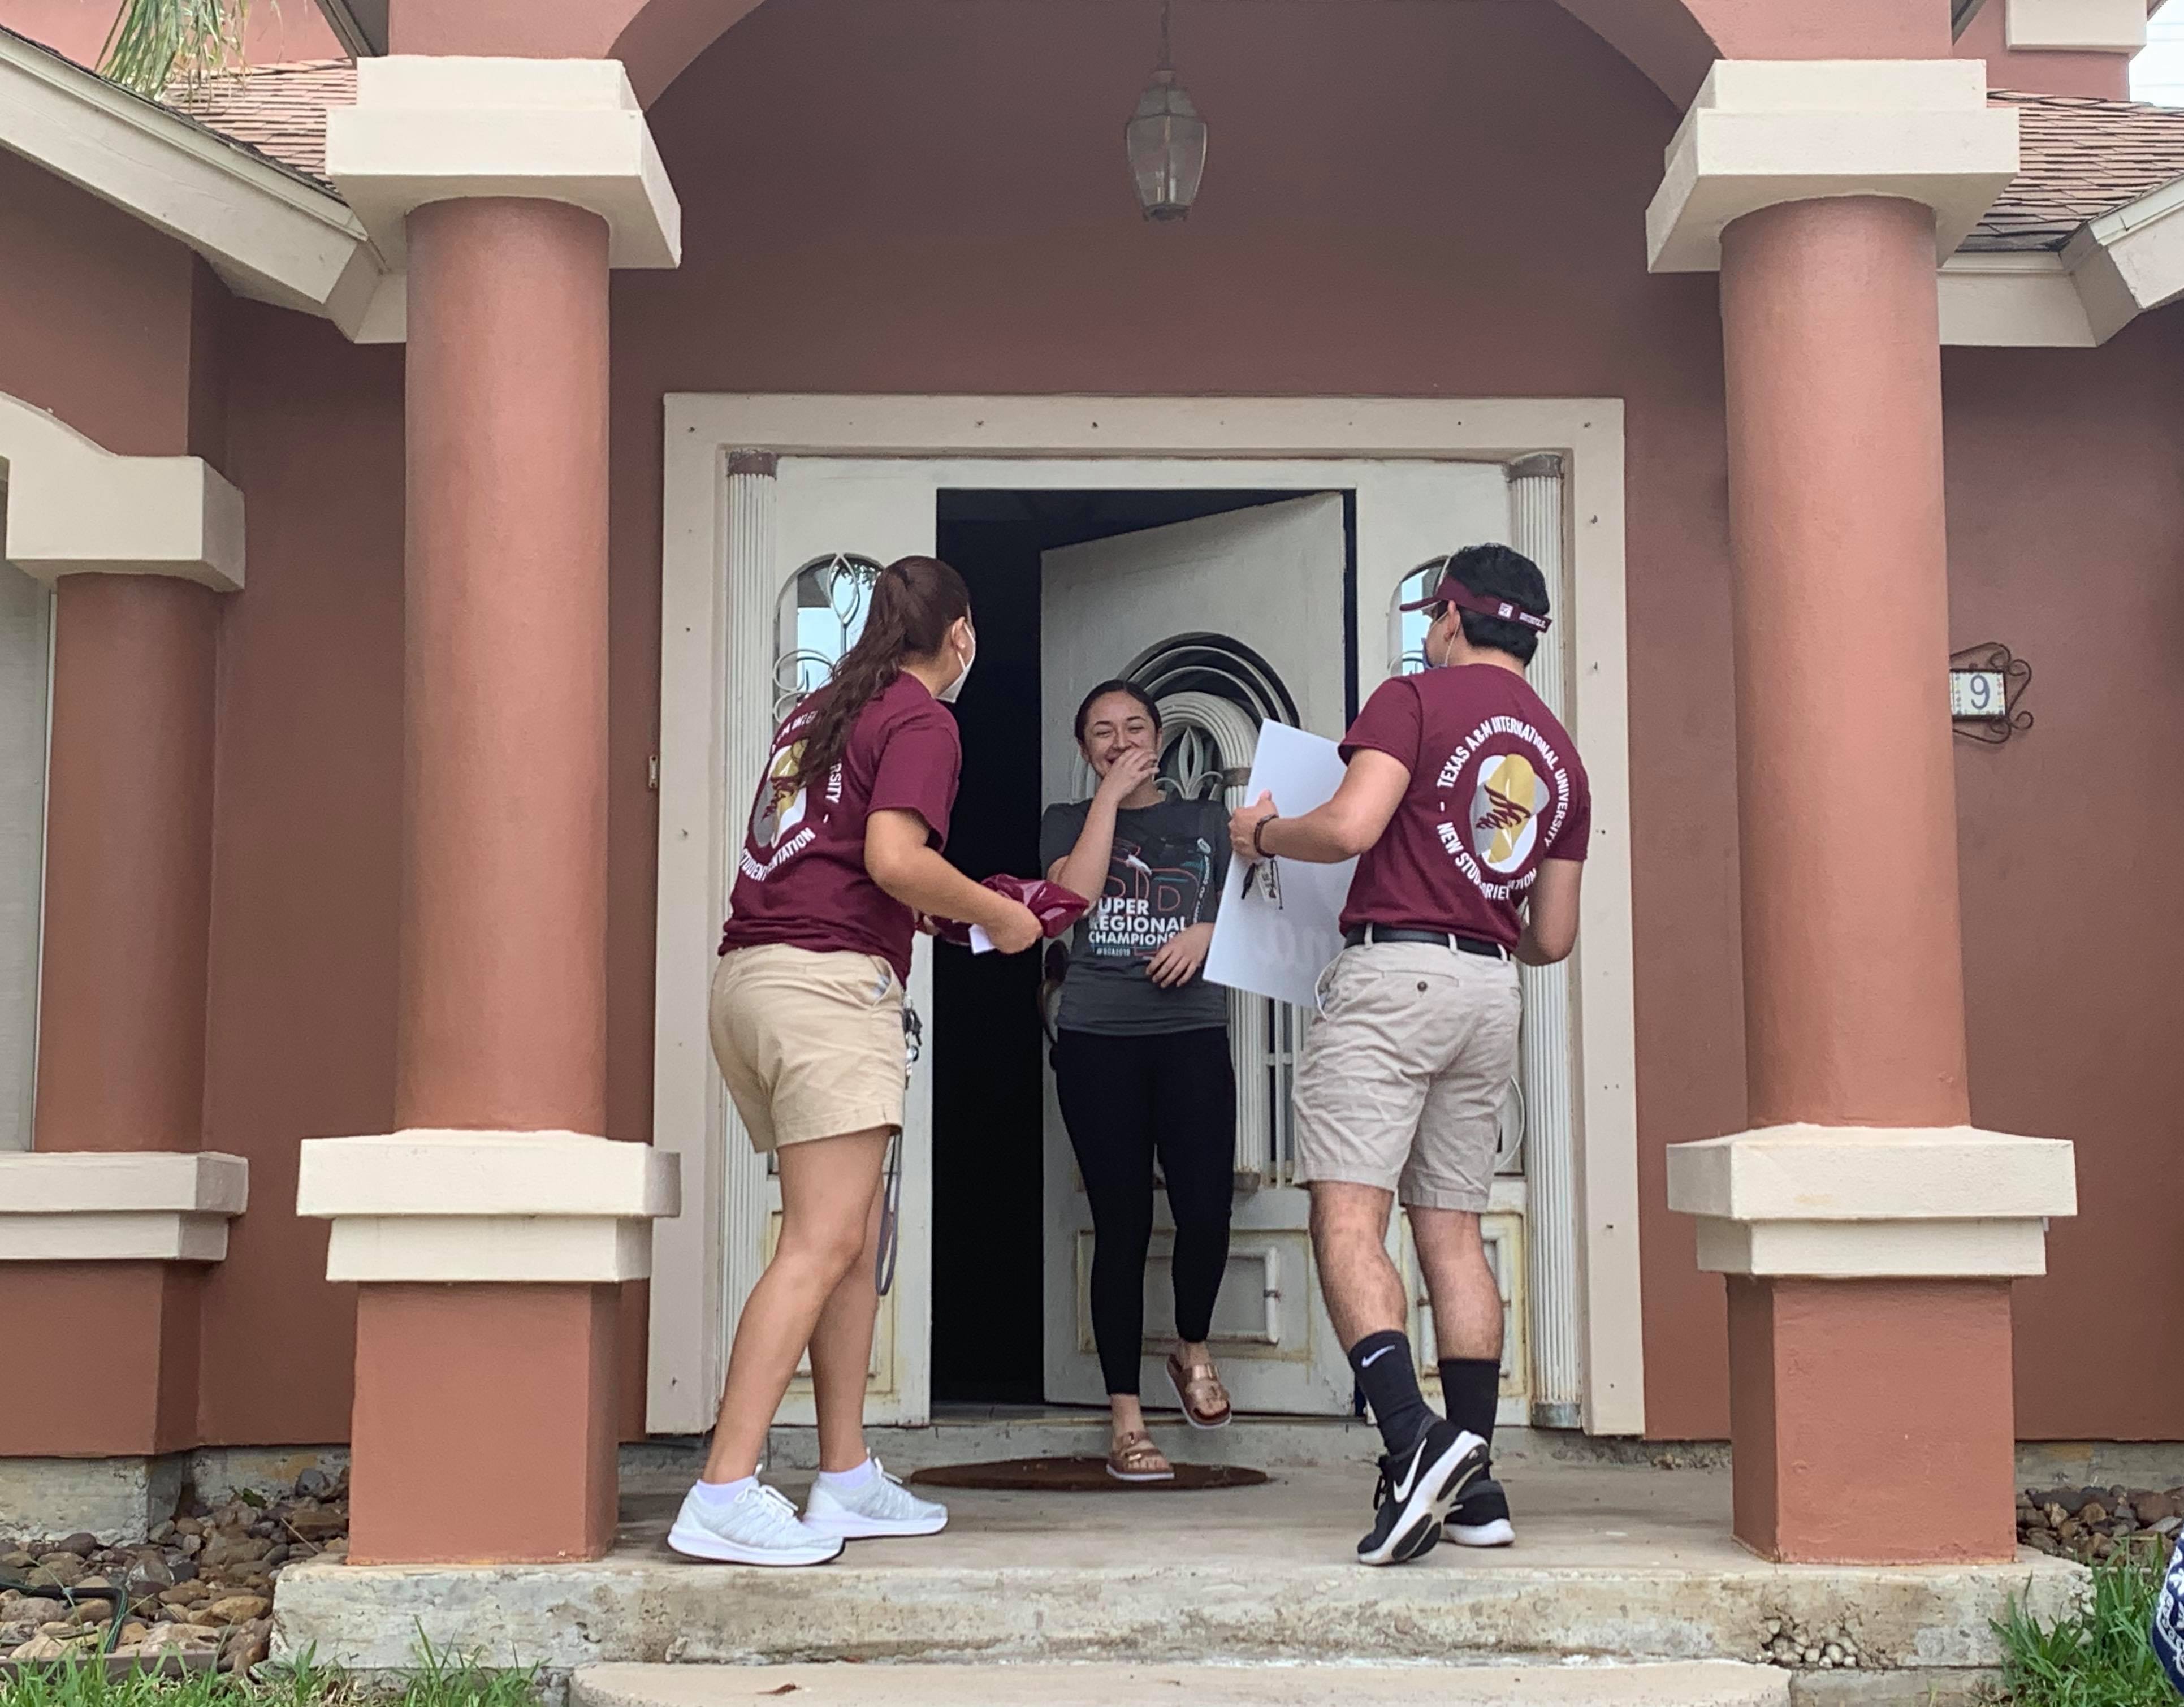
(915, 601)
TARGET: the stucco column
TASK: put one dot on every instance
(109, 1219)
(1846, 782)
(1869, 1233)
(491, 1229)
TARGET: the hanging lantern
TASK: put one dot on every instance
(1166, 141)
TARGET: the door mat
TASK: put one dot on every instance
(1081, 1475)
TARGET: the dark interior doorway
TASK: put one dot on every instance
(988, 1209)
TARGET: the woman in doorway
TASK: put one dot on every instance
(1141, 1056)
(843, 851)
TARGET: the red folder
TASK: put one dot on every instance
(1055, 908)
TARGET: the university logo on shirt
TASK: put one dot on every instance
(779, 830)
(1505, 811)
(780, 805)
(1517, 799)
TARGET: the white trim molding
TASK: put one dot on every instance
(427, 128)
(2130, 260)
(2075, 26)
(119, 1207)
(2116, 268)
(428, 1204)
(1762, 132)
(1175, 441)
(269, 234)
(75, 507)
(1862, 1203)
(2013, 300)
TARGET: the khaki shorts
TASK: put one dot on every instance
(811, 1044)
(1402, 1075)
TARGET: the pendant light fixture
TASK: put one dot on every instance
(1166, 141)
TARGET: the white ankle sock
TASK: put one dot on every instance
(848, 1480)
(718, 1495)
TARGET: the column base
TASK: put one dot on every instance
(490, 1264)
(134, 1390)
(1872, 1421)
(484, 1427)
(1871, 1411)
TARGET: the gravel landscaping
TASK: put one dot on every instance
(2090, 1524)
(200, 1591)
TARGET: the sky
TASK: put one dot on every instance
(2158, 74)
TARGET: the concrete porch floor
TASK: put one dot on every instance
(1614, 1560)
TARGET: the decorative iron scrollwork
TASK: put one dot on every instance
(1992, 656)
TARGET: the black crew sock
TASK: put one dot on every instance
(1389, 1374)
(1470, 1390)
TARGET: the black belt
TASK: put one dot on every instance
(1359, 935)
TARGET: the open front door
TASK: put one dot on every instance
(832, 528)
(1226, 620)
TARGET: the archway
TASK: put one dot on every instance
(1661, 37)
(1673, 41)
(658, 39)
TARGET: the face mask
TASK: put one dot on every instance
(947, 694)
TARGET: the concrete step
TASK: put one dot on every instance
(1611, 1564)
(1703, 1683)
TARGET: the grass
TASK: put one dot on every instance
(440, 1680)
(2098, 1657)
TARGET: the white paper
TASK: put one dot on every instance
(980, 942)
(1276, 937)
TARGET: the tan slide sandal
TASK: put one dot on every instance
(1136, 1459)
(1205, 1400)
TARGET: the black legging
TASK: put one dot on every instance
(1125, 1099)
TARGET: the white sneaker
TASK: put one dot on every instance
(759, 1526)
(880, 1505)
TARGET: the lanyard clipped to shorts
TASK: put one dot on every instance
(913, 1046)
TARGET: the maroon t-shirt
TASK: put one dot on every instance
(1496, 787)
(801, 880)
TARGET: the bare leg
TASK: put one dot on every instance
(826, 1191)
(1125, 1416)
(842, 1353)
(1466, 1303)
(1349, 1239)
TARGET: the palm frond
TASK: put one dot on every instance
(158, 44)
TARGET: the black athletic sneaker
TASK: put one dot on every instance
(1481, 1517)
(1416, 1489)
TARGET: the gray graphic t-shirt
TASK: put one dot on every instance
(1164, 876)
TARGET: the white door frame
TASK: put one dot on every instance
(696, 822)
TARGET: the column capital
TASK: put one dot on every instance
(1864, 1202)
(1764, 132)
(429, 129)
(137, 1205)
(538, 1207)
(76, 508)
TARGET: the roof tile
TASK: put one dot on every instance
(2081, 156)
(279, 110)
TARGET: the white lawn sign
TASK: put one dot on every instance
(1275, 935)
